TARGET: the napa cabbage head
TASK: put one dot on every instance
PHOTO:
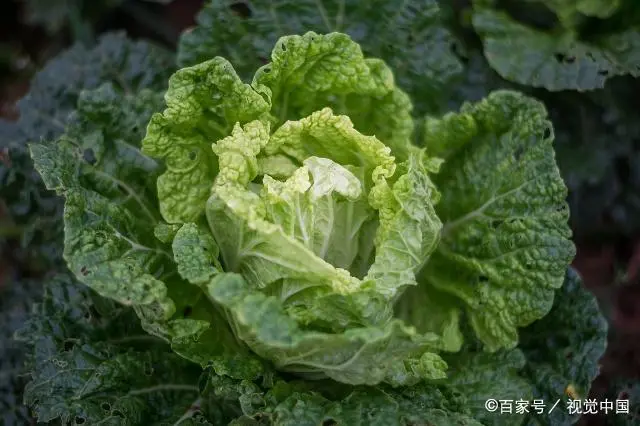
(292, 221)
(320, 208)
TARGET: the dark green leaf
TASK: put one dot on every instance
(563, 350)
(481, 376)
(45, 111)
(312, 403)
(92, 363)
(555, 60)
(15, 304)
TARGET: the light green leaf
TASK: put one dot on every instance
(279, 229)
(166, 232)
(321, 206)
(310, 72)
(196, 254)
(204, 102)
(428, 309)
(505, 242)
(274, 252)
(357, 356)
(410, 36)
(409, 228)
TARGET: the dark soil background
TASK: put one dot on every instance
(610, 268)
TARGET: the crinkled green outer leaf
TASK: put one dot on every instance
(103, 177)
(443, 314)
(99, 154)
(409, 36)
(196, 254)
(111, 218)
(129, 65)
(45, 111)
(505, 242)
(203, 102)
(313, 71)
(281, 403)
(357, 356)
(481, 376)
(563, 350)
(92, 364)
(554, 61)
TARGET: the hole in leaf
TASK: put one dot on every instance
(187, 311)
(68, 345)
(547, 133)
(483, 278)
(457, 50)
(105, 406)
(517, 155)
(329, 422)
(561, 57)
(84, 271)
(89, 156)
(496, 222)
(603, 73)
(148, 369)
(79, 420)
(193, 155)
(283, 47)
(241, 9)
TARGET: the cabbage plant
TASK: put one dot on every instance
(307, 241)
